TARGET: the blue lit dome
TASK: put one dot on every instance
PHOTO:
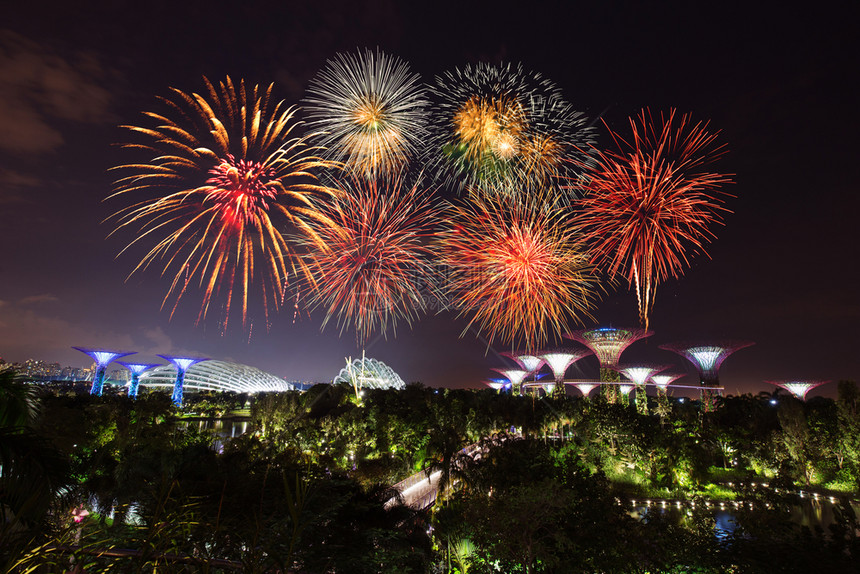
(217, 376)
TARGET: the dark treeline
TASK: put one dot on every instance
(308, 488)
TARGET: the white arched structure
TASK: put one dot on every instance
(369, 374)
(217, 376)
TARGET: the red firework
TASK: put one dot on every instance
(371, 268)
(517, 268)
(225, 179)
(648, 206)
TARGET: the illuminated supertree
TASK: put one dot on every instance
(608, 343)
(559, 360)
(515, 376)
(639, 374)
(625, 389)
(495, 123)
(370, 110)
(663, 380)
(373, 267)
(182, 364)
(527, 361)
(137, 369)
(226, 178)
(585, 387)
(798, 388)
(101, 357)
(707, 357)
(517, 269)
(498, 385)
(649, 206)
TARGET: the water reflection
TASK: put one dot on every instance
(810, 512)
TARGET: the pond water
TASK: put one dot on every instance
(809, 511)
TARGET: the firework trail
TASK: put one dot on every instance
(494, 124)
(518, 269)
(225, 178)
(373, 267)
(370, 110)
(649, 205)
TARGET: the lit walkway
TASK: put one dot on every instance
(419, 490)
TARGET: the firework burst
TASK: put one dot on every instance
(373, 267)
(494, 124)
(370, 111)
(649, 204)
(517, 268)
(224, 179)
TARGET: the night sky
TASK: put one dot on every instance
(779, 82)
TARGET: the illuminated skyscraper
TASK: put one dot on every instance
(798, 388)
(136, 369)
(182, 364)
(708, 358)
(102, 358)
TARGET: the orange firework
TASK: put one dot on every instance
(517, 268)
(372, 268)
(221, 185)
(649, 205)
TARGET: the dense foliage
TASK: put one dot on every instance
(549, 486)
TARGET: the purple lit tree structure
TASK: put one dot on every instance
(586, 387)
(101, 357)
(798, 388)
(708, 357)
(182, 364)
(516, 377)
(624, 389)
(530, 363)
(662, 381)
(497, 384)
(137, 369)
(559, 360)
(640, 374)
(608, 343)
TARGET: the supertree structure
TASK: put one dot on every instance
(625, 390)
(497, 384)
(182, 364)
(608, 343)
(101, 357)
(663, 380)
(515, 376)
(527, 361)
(707, 358)
(798, 388)
(585, 386)
(137, 369)
(559, 360)
(639, 374)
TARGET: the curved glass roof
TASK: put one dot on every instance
(369, 374)
(217, 376)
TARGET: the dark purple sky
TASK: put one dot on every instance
(778, 81)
